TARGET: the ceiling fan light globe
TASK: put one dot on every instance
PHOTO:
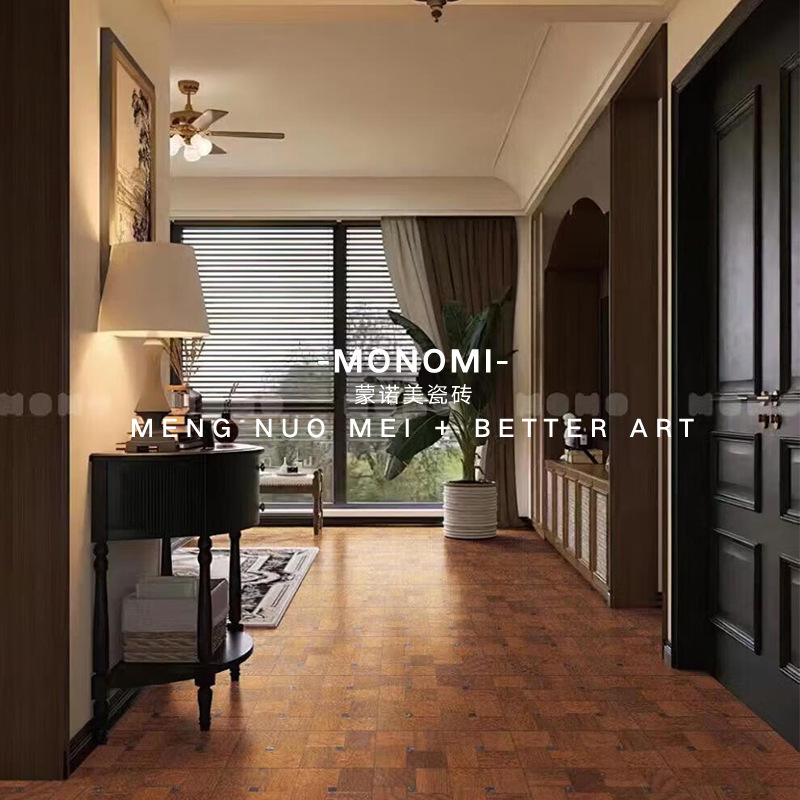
(175, 144)
(202, 143)
(192, 153)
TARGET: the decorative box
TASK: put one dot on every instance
(159, 629)
(580, 457)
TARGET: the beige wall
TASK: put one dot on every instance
(104, 370)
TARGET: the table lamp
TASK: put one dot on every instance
(153, 292)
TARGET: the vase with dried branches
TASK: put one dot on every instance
(184, 356)
(231, 429)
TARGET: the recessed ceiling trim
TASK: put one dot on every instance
(534, 61)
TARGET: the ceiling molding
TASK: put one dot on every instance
(341, 198)
(259, 11)
(531, 70)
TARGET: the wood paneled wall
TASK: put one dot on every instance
(636, 246)
(34, 335)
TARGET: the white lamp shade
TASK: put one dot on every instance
(153, 291)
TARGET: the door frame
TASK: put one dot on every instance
(691, 643)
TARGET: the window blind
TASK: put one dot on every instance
(269, 298)
(370, 295)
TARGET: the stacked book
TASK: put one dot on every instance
(180, 436)
(178, 421)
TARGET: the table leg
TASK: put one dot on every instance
(166, 556)
(204, 601)
(235, 593)
(100, 644)
(316, 490)
(204, 696)
(235, 578)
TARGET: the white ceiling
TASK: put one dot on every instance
(374, 90)
(399, 97)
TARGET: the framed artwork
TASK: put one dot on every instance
(127, 149)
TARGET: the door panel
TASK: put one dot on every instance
(737, 598)
(739, 273)
(790, 617)
(753, 535)
(790, 480)
(738, 469)
(791, 245)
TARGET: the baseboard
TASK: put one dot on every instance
(82, 743)
(667, 654)
(293, 521)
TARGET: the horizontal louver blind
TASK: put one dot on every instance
(269, 297)
(370, 296)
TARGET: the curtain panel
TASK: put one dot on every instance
(404, 258)
(473, 261)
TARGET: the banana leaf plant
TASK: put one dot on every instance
(464, 332)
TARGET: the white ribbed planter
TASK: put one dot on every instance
(470, 509)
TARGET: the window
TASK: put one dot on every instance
(369, 296)
(280, 298)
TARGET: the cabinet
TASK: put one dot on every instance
(576, 519)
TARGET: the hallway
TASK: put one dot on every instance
(409, 666)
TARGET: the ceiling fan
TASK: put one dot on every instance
(188, 128)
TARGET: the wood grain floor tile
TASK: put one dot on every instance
(410, 667)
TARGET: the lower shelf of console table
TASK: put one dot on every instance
(237, 647)
(576, 519)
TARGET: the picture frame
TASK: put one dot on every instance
(128, 127)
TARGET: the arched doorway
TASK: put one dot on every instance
(576, 318)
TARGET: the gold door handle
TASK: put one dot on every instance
(775, 421)
(764, 420)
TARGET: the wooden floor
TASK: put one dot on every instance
(412, 667)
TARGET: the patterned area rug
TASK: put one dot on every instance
(271, 577)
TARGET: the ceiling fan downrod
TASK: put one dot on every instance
(436, 7)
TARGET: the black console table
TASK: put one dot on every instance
(200, 493)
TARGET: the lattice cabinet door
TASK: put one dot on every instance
(601, 537)
(560, 481)
(585, 512)
(572, 515)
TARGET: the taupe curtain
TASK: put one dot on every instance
(410, 280)
(473, 260)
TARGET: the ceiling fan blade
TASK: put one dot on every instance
(248, 134)
(216, 150)
(208, 117)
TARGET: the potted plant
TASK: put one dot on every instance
(470, 504)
